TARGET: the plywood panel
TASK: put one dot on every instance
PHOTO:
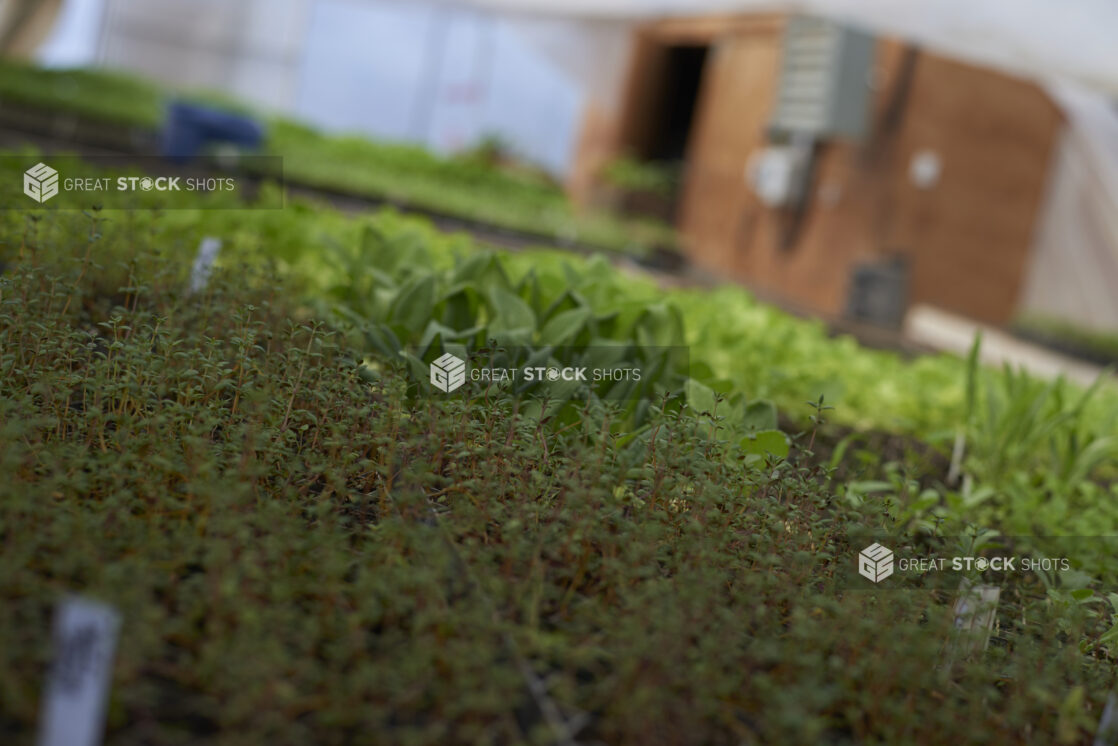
(967, 239)
(718, 210)
(708, 29)
(726, 228)
(598, 143)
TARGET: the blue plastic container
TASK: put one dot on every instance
(190, 128)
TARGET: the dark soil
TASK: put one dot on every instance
(866, 452)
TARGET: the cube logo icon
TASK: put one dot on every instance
(448, 373)
(40, 182)
(875, 562)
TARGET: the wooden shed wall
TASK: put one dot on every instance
(967, 238)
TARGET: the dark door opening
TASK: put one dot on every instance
(671, 124)
(660, 111)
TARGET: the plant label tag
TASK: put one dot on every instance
(203, 263)
(1108, 723)
(975, 610)
(73, 712)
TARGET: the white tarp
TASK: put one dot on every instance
(593, 53)
(1074, 269)
(1071, 40)
(250, 48)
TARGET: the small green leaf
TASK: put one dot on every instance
(412, 307)
(760, 415)
(766, 442)
(700, 397)
(510, 312)
(564, 326)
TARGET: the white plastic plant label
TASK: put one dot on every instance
(73, 712)
(204, 263)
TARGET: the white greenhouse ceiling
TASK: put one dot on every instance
(1070, 41)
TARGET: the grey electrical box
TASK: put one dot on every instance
(824, 80)
(878, 292)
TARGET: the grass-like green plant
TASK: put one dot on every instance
(101, 95)
(1036, 459)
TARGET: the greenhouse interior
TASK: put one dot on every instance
(598, 372)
